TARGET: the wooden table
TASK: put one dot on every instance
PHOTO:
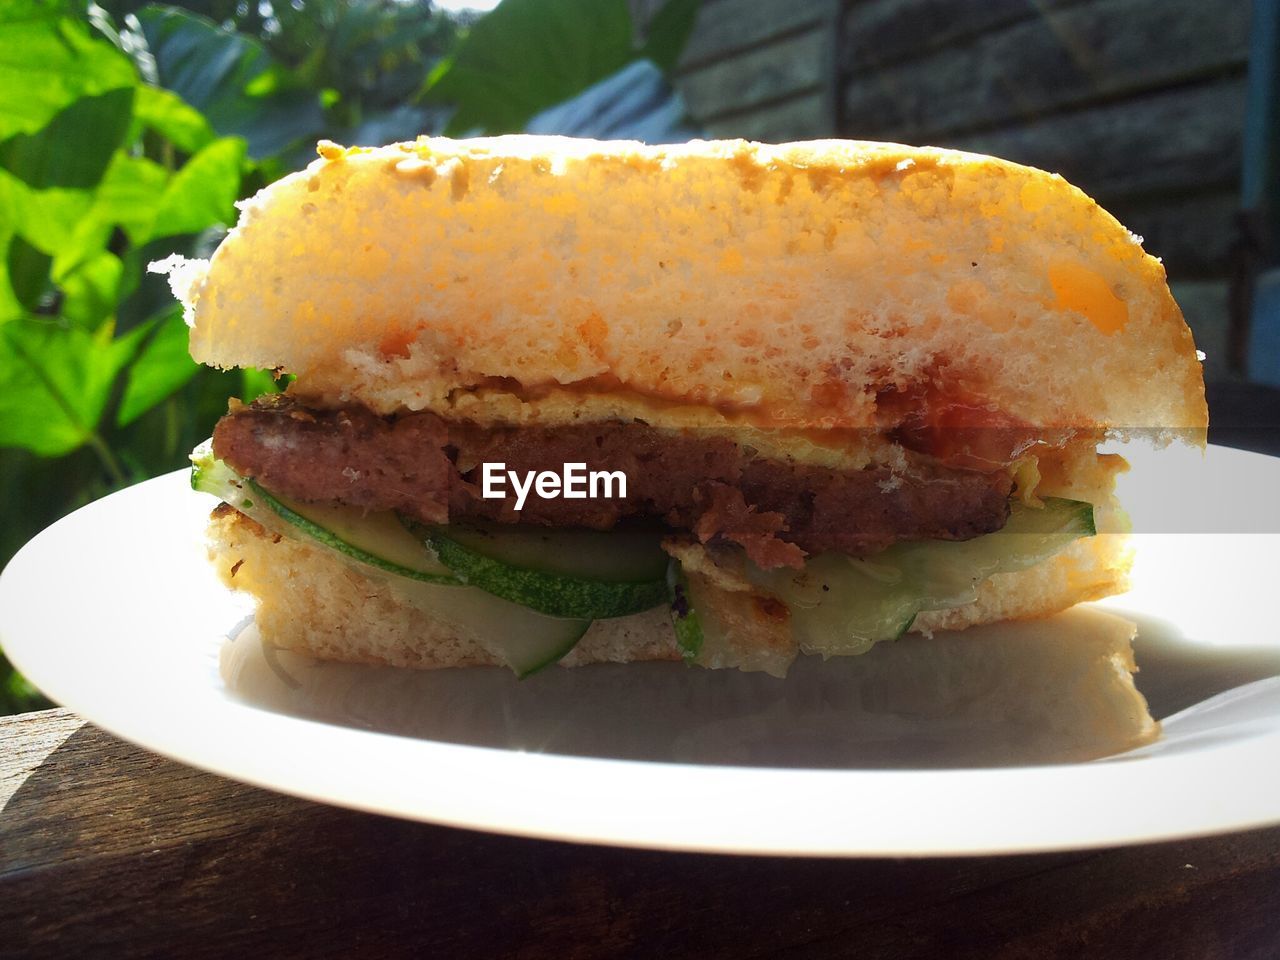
(107, 850)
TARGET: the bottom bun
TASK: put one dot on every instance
(311, 601)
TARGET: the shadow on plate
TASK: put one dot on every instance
(1205, 695)
(1039, 692)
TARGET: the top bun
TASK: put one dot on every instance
(783, 285)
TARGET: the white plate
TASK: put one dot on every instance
(114, 613)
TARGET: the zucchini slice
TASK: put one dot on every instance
(719, 629)
(684, 616)
(563, 573)
(378, 539)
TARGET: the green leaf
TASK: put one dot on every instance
(203, 192)
(10, 305)
(47, 62)
(528, 55)
(75, 225)
(163, 366)
(128, 197)
(207, 66)
(144, 295)
(55, 383)
(91, 288)
(231, 79)
(28, 270)
(48, 218)
(74, 148)
(668, 33)
(254, 383)
(170, 116)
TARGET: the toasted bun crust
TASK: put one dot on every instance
(313, 602)
(781, 284)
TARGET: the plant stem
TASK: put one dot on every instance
(109, 461)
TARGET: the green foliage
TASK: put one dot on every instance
(668, 33)
(529, 55)
(55, 383)
(167, 115)
(74, 148)
(526, 56)
(100, 172)
(202, 193)
(127, 134)
(16, 694)
(346, 69)
(231, 79)
(49, 62)
(162, 366)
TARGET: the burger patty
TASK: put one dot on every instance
(778, 511)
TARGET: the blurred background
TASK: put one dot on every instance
(128, 130)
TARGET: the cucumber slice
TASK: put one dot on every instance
(842, 606)
(562, 573)
(378, 539)
(525, 641)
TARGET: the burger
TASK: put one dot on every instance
(557, 401)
